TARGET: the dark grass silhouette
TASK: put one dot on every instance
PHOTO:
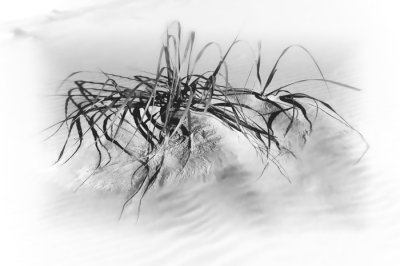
(147, 115)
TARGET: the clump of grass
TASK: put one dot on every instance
(159, 109)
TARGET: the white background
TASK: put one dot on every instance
(370, 25)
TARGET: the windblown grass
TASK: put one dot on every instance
(158, 109)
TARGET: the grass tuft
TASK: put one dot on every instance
(159, 109)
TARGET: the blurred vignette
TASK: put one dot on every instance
(326, 186)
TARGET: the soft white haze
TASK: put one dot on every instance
(334, 213)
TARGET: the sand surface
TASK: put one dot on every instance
(333, 213)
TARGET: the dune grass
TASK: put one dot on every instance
(158, 108)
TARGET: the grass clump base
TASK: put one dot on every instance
(153, 117)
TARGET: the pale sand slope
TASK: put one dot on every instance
(334, 213)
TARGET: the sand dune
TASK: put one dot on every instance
(333, 213)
